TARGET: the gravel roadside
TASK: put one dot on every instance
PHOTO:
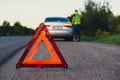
(86, 61)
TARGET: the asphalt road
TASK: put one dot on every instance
(86, 61)
(9, 46)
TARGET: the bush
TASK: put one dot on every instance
(105, 33)
(118, 28)
(98, 32)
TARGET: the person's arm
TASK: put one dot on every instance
(73, 19)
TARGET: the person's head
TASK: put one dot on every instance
(76, 10)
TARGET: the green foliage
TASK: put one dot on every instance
(16, 29)
(98, 16)
(5, 29)
(118, 28)
(90, 38)
(103, 33)
(95, 16)
(112, 39)
(98, 32)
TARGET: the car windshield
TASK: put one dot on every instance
(50, 19)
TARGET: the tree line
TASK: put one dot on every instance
(16, 30)
(98, 19)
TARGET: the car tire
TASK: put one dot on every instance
(69, 38)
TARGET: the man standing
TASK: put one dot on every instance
(76, 26)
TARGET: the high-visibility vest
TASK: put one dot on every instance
(77, 18)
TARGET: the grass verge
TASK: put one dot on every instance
(113, 39)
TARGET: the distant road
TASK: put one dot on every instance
(86, 61)
(9, 45)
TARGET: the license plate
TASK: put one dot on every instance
(57, 27)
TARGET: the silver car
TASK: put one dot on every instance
(59, 27)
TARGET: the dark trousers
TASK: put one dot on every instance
(76, 32)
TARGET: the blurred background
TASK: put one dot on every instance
(100, 18)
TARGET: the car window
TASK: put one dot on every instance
(56, 20)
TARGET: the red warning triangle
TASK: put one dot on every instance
(57, 60)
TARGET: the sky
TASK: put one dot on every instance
(31, 13)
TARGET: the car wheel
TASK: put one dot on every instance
(69, 38)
